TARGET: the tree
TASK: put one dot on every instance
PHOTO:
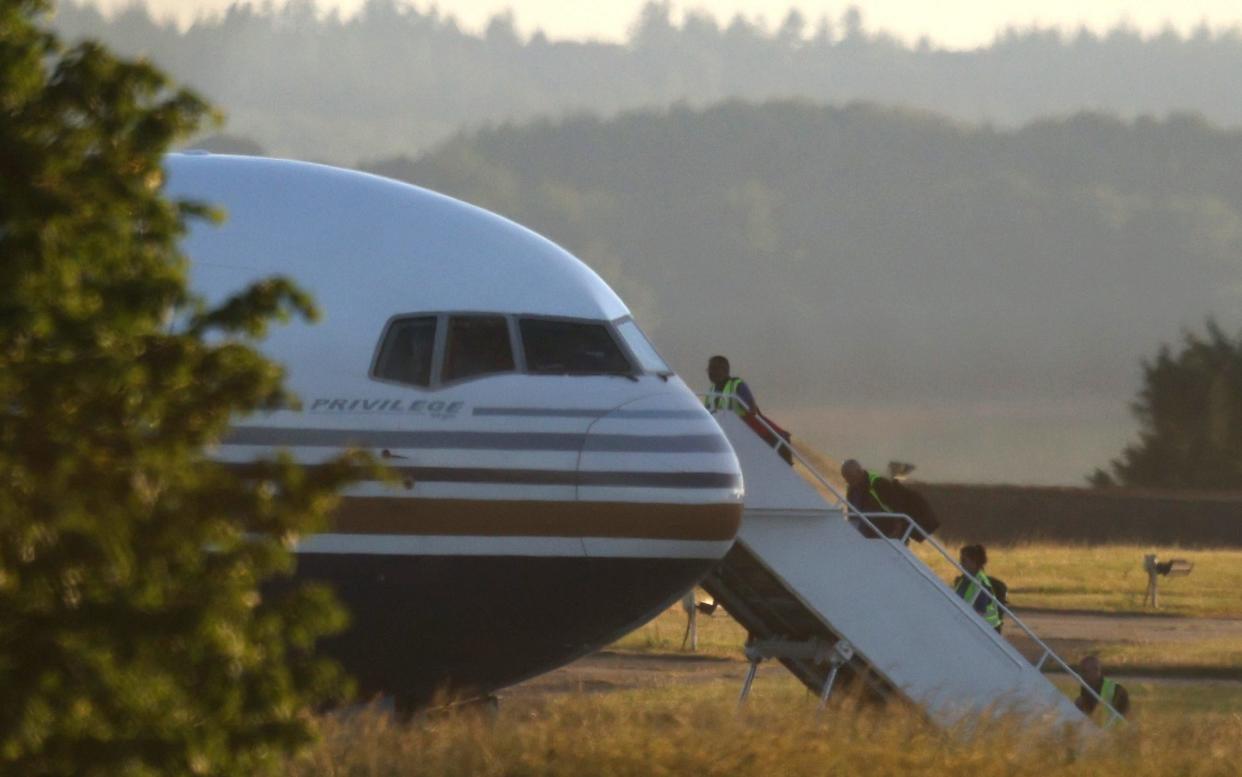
(1190, 417)
(134, 635)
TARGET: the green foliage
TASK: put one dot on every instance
(133, 635)
(1190, 416)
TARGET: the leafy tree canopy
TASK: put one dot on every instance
(1190, 417)
(133, 635)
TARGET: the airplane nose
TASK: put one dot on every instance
(662, 463)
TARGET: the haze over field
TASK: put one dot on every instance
(894, 283)
(395, 79)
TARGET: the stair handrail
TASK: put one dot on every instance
(849, 509)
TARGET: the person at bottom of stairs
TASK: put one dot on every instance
(973, 559)
(1110, 691)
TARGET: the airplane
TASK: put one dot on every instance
(559, 484)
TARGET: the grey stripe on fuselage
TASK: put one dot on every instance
(555, 412)
(507, 441)
(564, 478)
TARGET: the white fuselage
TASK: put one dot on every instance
(558, 484)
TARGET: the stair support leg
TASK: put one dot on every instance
(750, 679)
(832, 678)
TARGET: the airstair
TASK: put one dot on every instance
(836, 607)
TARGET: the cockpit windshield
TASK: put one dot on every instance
(571, 348)
(430, 349)
(407, 351)
(641, 347)
(477, 345)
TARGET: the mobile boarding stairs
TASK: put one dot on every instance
(835, 606)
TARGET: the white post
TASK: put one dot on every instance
(750, 679)
(689, 604)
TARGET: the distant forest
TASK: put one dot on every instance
(395, 79)
(891, 264)
(899, 283)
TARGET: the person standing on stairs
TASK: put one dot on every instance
(982, 595)
(727, 390)
(732, 393)
(870, 493)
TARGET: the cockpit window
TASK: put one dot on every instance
(405, 356)
(476, 345)
(641, 347)
(571, 348)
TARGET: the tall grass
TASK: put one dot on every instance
(702, 733)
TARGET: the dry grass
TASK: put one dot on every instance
(1110, 578)
(700, 732)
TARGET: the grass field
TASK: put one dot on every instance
(1109, 578)
(1093, 579)
(1182, 731)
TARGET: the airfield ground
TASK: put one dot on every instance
(1153, 650)
(645, 707)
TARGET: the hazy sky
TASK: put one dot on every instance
(955, 23)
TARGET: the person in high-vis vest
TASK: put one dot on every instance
(870, 493)
(727, 390)
(730, 393)
(973, 559)
(1110, 691)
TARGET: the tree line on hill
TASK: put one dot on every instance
(395, 79)
(891, 264)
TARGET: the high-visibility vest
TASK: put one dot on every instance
(871, 479)
(992, 613)
(1108, 691)
(726, 398)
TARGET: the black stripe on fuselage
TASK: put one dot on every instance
(543, 477)
(499, 441)
(565, 412)
(563, 478)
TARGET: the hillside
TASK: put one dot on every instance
(895, 284)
